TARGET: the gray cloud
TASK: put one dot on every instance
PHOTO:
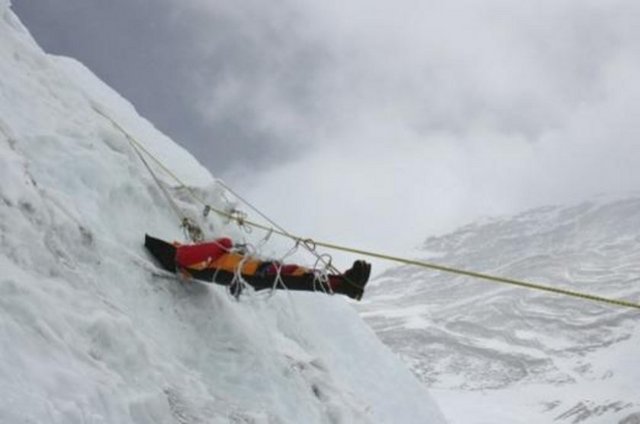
(213, 77)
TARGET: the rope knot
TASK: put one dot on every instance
(192, 230)
(241, 218)
(308, 243)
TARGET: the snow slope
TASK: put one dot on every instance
(90, 333)
(493, 353)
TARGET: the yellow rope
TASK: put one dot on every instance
(398, 259)
(488, 277)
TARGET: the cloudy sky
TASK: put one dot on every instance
(376, 123)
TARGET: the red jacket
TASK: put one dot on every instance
(193, 255)
(218, 255)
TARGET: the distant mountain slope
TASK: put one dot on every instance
(534, 354)
(90, 333)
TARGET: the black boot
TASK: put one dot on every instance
(352, 282)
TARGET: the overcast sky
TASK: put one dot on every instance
(376, 123)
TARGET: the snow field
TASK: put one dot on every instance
(92, 332)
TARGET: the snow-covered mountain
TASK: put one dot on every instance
(494, 353)
(88, 331)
